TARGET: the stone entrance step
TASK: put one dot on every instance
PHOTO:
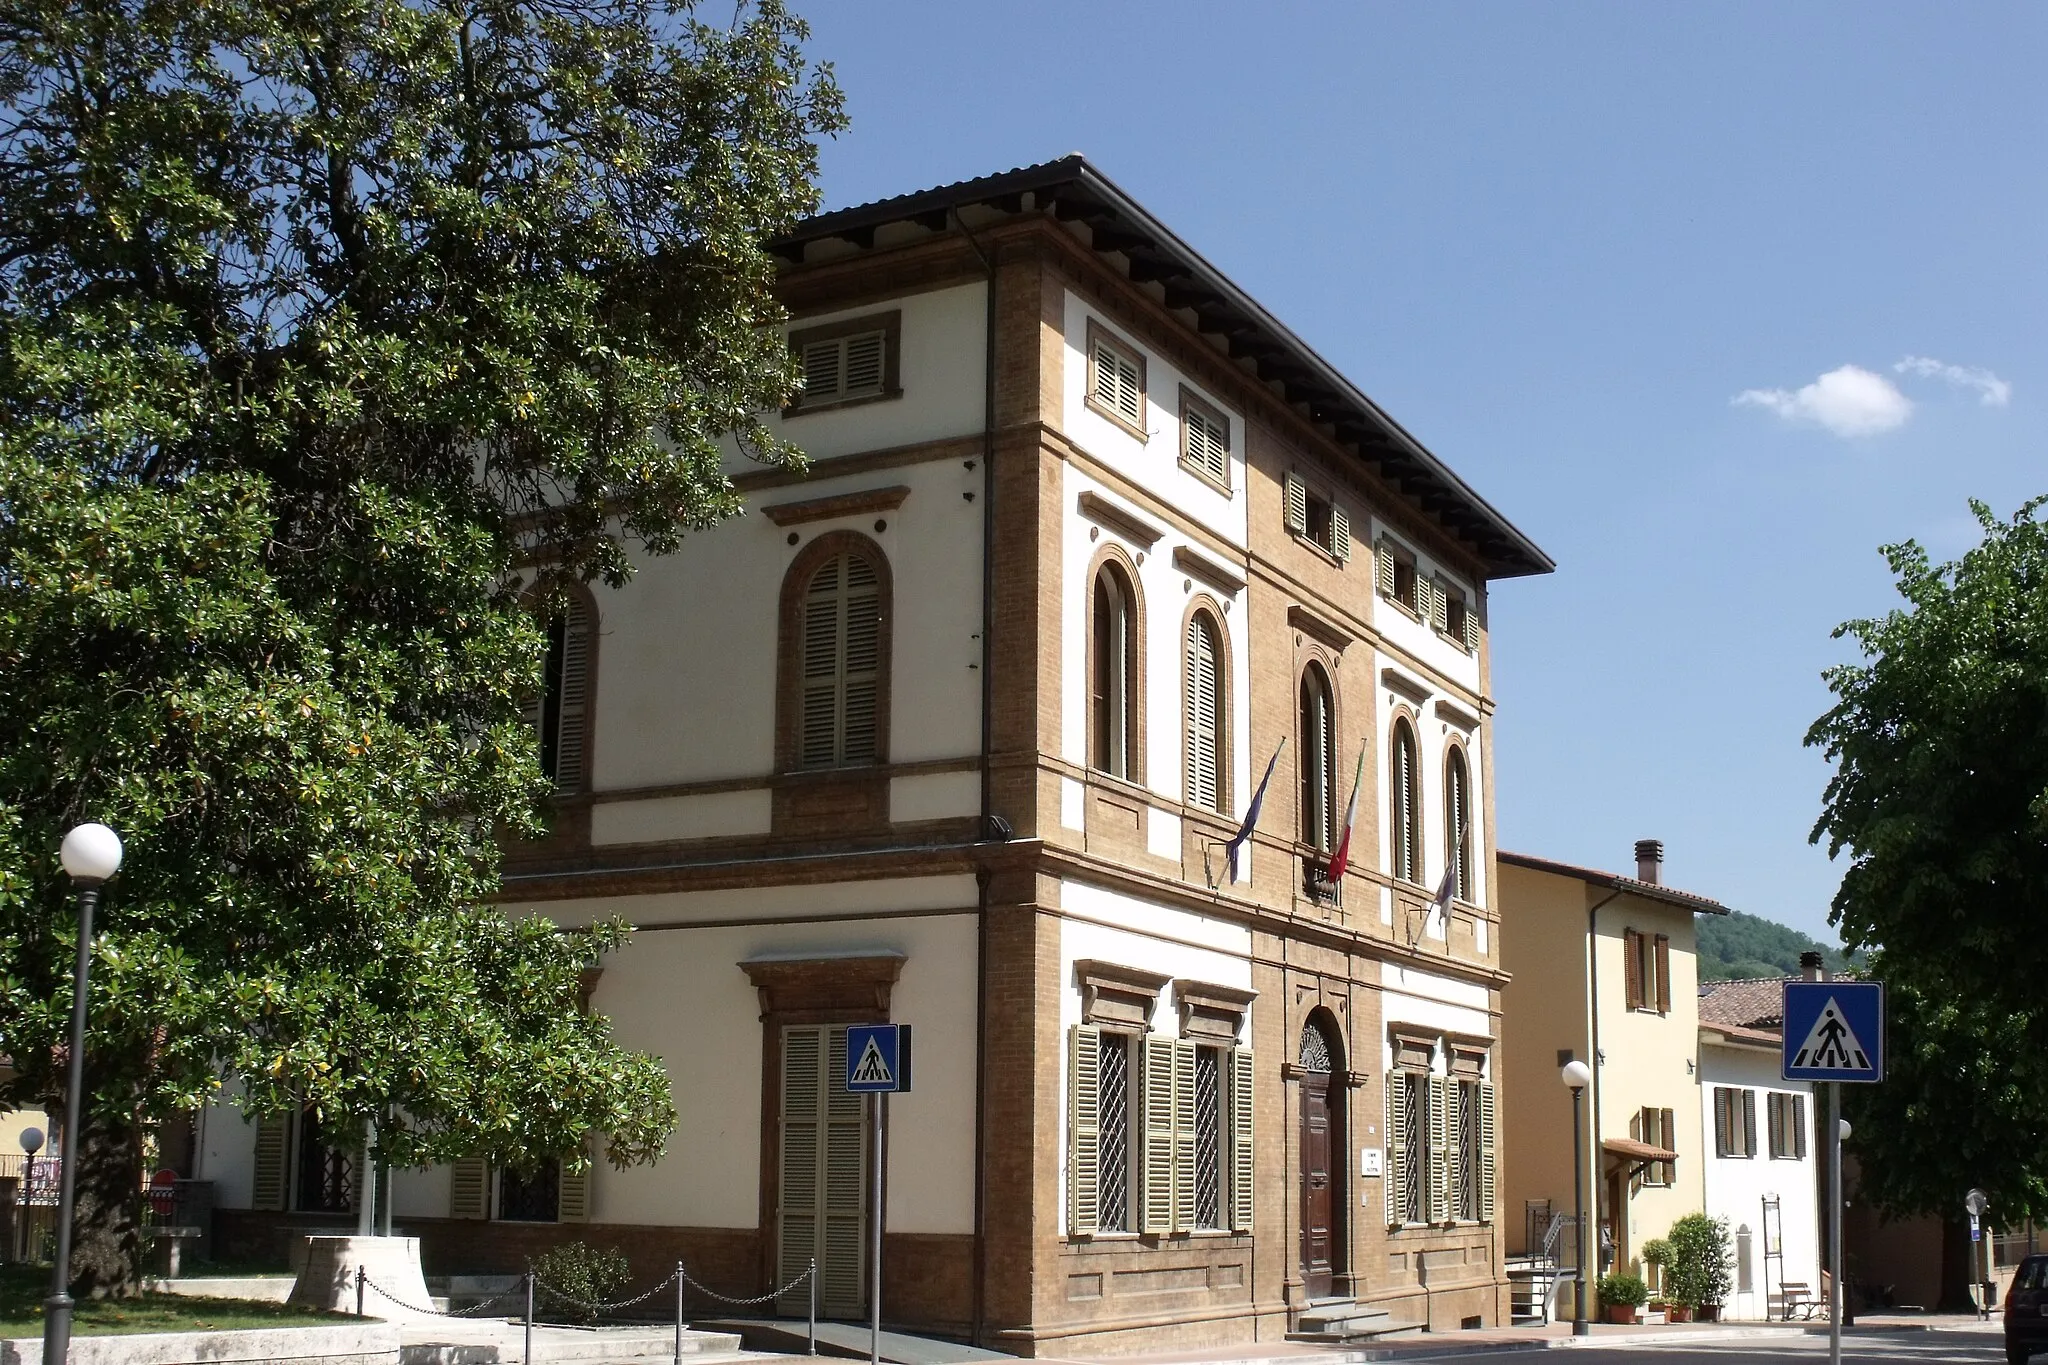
(1338, 1322)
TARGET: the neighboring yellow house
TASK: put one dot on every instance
(1631, 1006)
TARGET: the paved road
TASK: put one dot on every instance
(1935, 1347)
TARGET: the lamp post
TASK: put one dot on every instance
(91, 854)
(31, 1140)
(1577, 1076)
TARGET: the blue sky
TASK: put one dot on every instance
(1610, 262)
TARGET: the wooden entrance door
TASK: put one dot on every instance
(1318, 1198)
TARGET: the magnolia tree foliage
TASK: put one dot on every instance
(321, 325)
(1939, 738)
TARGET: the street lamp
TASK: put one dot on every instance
(1577, 1076)
(91, 853)
(31, 1141)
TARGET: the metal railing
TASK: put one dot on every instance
(534, 1288)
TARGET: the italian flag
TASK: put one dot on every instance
(1341, 859)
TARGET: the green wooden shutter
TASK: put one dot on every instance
(572, 1199)
(1156, 1179)
(1203, 684)
(822, 1206)
(1439, 604)
(1489, 1174)
(843, 1266)
(469, 1188)
(1296, 505)
(273, 1156)
(1340, 532)
(796, 1211)
(1084, 1131)
(1241, 1168)
(1454, 1150)
(1472, 624)
(1184, 1143)
(1439, 1150)
(1383, 559)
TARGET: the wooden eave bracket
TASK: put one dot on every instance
(1414, 689)
(1129, 525)
(1206, 569)
(1457, 715)
(838, 505)
(1316, 628)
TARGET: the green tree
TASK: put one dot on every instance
(1939, 738)
(334, 337)
(1740, 945)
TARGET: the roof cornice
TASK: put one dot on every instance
(1074, 193)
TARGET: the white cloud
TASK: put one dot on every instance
(1850, 401)
(1992, 391)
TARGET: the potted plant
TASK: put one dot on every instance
(1621, 1295)
(1655, 1310)
(1656, 1256)
(1699, 1277)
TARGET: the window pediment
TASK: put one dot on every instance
(1112, 993)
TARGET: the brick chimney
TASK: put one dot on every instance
(1650, 860)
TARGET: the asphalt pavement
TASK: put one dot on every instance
(1946, 1345)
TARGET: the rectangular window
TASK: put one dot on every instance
(1787, 1126)
(1209, 1137)
(1204, 441)
(1470, 1201)
(853, 361)
(1116, 381)
(1735, 1121)
(1116, 1132)
(1646, 961)
(1458, 623)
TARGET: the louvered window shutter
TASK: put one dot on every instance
(842, 658)
(797, 1198)
(1204, 709)
(1472, 625)
(273, 1156)
(1488, 1141)
(822, 369)
(1454, 1149)
(1383, 564)
(1439, 605)
(1748, 1124)
(1663, 974)
(1396, 1176)
(1667, 1134)
(1184, 1145)
(1208, 443)
(1117, 385)
(1241, 1167)
(1799, 1127)
(572, 1200)
(1296, 505)
(843, 1267)
(469, 1188)
(1156, 1179)
(1721, 1122)
(1340, 533)
(1439, 1150)
(1632, 974)
(1084, 1131)
(863, 372)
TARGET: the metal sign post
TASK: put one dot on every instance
(878, 1066)
(1834, 1032)
(1975, 1203)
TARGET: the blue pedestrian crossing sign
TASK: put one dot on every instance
(878, 1059)
(1834, 1031)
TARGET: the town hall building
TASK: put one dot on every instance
(952, 730)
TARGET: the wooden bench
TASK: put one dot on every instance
(1796, 1297)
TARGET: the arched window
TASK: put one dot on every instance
(1458, 822)
(561, 714)
(1318, 742)
(1205, 707)
(842, 652)
(1406, 824)
(1113, 644)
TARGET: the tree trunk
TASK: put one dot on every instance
(106, 1239)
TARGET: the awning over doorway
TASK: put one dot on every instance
(1636, 1151)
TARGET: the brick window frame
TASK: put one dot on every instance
(796, 583)
(1112, 559)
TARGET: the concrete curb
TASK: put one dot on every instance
(371, 1343)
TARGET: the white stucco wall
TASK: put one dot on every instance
(1434, 736)
(1737, 1186)
(1416, 638)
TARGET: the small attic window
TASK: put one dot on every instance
(848, 362)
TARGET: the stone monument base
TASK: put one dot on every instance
(327, 1276)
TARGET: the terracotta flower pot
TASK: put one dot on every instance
(1677, 1313)
(1709, 1312)
(1623, 1313)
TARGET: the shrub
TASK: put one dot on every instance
(1656, 1251)
(1698, 1274)
(577, 1270)
(1622, 1291)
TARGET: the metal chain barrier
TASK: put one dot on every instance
(566, 1297)
(363, 1281)
(727, 1298)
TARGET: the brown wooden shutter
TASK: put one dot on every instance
(1632, 953)
(1667, 1135)
(1663, 974)
(572, 1199)
(1084, 1131)
(572, 715)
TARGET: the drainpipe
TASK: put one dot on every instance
(989, 827)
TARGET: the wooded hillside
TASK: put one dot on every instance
(1739, 945)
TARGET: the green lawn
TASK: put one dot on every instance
(23, 1289)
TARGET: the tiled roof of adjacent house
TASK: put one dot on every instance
(1614, 881)
(1756, 1002)
(1072, 193)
